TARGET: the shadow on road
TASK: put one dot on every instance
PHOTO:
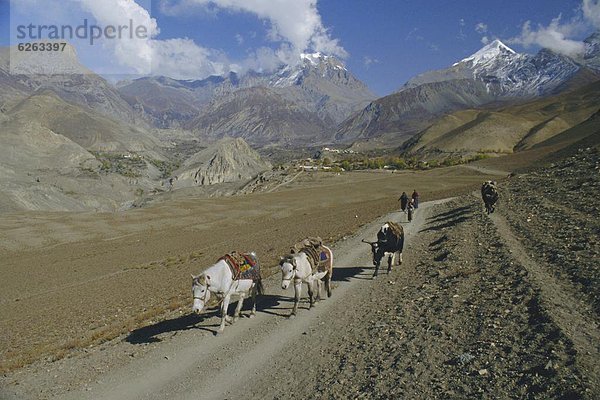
(448, 224)
(272, 304)
(438, 244)
(346, 273)
(448, 219)
(148, 334)
(449, 215)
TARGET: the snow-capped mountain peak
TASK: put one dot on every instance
(488, 52)
(506, 73)
(319, 59)
(327, 67)
(313, 58)
(592, 51)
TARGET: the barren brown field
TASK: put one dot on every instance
(71, 280)
(484, 306)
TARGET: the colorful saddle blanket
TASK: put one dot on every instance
(316, 253)
(307, 243)
(243, 265)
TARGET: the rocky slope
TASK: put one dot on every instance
(229, 160)
(407, 112)
(41, 169)
(507, 129)
(551, 207)
(56, 155)
(167, 102)
(592, 51)
(259, 115)
(90, 130)
(11, 89)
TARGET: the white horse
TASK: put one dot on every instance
(219, 280)
(296, 267)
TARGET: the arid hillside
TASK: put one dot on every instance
(507, 129)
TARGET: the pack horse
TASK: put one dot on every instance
(233, 275)
(310, 262)
(489, 194)
(390, 242)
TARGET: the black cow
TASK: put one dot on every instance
(489, 194)
(390, 240)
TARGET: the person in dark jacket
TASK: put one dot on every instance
(415, 197)
(409, 209)
(403, 201)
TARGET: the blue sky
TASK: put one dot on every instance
(383, 42)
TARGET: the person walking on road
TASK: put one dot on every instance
(415, 198)
(403, 201)
(409, 209)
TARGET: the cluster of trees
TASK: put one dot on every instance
(392, 162)
(165, 167)
(378, 163)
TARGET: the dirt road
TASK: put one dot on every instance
(465, 316)
(71, 280)
(196, 364)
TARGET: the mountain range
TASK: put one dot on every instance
(312, 96)
(494, 74)
(76, 141)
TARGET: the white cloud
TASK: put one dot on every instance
(296, 22)
(481, 28)
(461, 33)
(264, 59)
(136, 53)
(183, 59)
(294, 26)
(559, 35)
(555, 37)
(413, 34)
(368, 61)
(591, 12)
(179, 58)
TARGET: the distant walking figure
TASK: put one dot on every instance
(403, 201)
(415, 197)
(409, 209)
